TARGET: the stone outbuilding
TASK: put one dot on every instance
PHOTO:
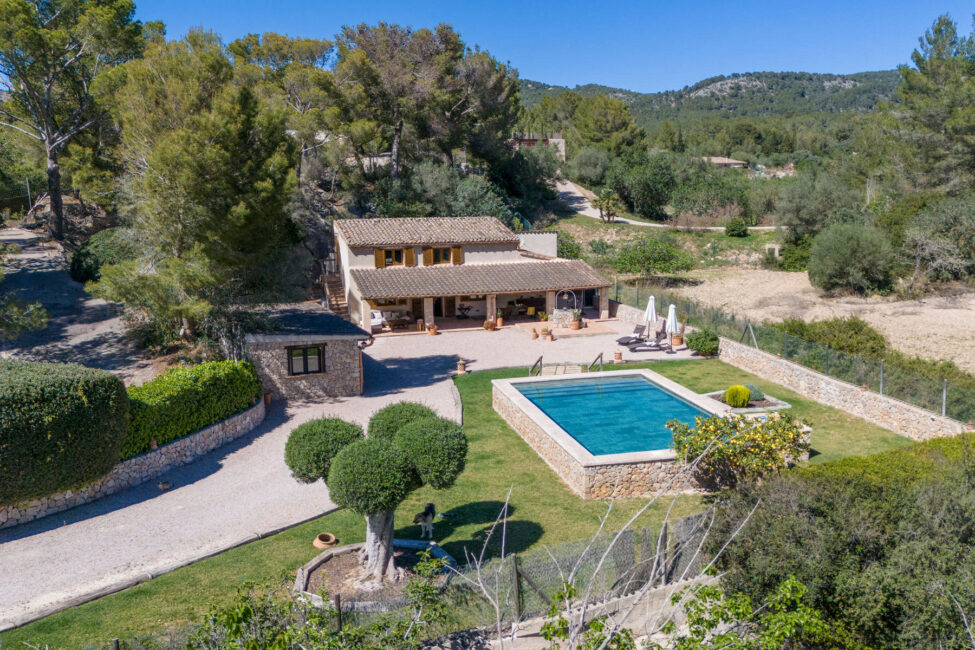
(309, 353)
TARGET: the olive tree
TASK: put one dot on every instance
(372, 476)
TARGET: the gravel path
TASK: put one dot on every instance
(244, 490)
(82, 329)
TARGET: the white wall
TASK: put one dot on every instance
(543, 243)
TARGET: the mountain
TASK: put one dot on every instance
(743, 95)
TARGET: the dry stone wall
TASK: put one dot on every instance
(901, 418)
(139, 469)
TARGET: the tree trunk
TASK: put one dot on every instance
(394, 158)
(54, 192)
(378, 550)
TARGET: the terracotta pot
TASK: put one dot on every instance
(574, 325)
(618, 356)
(534, 335)
(324, 540)
(676, 339)
(432, 330)
(550, 337)
(499, 322)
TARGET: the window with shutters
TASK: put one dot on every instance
(394, 257)
(440, 256)
(306, 360)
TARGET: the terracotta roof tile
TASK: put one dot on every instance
(449, 280)
(424, 231)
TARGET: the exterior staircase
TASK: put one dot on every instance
(335, 295)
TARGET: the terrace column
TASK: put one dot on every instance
(490, 306)
(550, 303)
(604, 302)
(428, 312)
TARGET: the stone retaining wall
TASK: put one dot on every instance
(626, 313)
(900, 417)
(138, 469)
(639, 479)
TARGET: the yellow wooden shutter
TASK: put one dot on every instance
(409, 258)
(457, 255)
(380, 258)
(427, 257)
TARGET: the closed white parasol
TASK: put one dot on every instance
(672, 327)
(650, 314)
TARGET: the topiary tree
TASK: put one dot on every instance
(408, 447)
(737, 396)
(312, 446)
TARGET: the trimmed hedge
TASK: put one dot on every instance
(388, 420)
(437, 448)
(61, 425)
(104, 247)
(312, 446)
(370, 476)
(184, 400)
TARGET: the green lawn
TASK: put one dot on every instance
(543, 511)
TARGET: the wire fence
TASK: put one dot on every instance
(935, 394)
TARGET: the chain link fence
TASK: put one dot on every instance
(935, 394)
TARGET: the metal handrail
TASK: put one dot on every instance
(598, 360)
(538, 364)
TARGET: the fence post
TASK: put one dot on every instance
(827, 360)
(637, 296)
(338, 612)
(517, 583)
(752, 332)
(616, 287)
(115, 644)
(944, 398)
(662, 553)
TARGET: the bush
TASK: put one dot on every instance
(704, 341)
(589, 166)
(754, 392)
(104, 247)
(794, 258)
(370, 476)
(388, 420)
(312, 446)
(567, 246)
(744, 449)
(61, 425)
(852, 257)
(851, 334)
(737, 396)
(184, 400)
(437, 448)
(648, 254)
(736, 227)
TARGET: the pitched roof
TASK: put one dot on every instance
(449, 280)
(424, 231)
(309, 319)
(722, 160)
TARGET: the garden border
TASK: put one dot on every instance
(138, 469)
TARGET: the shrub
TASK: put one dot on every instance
(589, 166)
(852, 257)
(61, 425)
(370, 476)
(648, 254)
(104, 247)
(388, 420)
(851, 334)
(184, 400)
(704, 341)
(437, 448)
(736, 227)
(567, 246)
(754, 392)
(312, 446)
(737, 396)
(795, 258)
(744, 448)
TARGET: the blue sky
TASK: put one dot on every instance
(645, 46)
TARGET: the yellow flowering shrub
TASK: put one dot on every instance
(732, 448)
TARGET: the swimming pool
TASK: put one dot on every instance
(611, 415)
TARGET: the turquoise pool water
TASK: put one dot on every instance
(611, 415)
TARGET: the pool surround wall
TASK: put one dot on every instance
(635, 474)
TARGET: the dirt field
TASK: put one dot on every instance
(940, 327)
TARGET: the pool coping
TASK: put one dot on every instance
(572, 446)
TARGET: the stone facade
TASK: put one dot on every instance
(901, 418)
(598, 481)
(343, 367)
(139, 469)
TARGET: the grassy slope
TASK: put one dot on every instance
(543, 512)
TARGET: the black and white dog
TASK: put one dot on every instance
(425, 519)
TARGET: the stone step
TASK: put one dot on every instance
(562, 369)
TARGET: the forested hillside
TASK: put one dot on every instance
(742, 95)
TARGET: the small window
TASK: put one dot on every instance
(306, 361)
(441, 256)
(394, 257)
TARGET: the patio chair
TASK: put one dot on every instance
(638, 336)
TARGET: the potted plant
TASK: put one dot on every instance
(498, 314)
(678, 337)
(542, 316)
(576, 321)
(544, 331)
(489, 325)
(432, 330)
(534, 333)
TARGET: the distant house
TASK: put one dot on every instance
(721, 161)
(308, 353)
(533, 139)
(447, 268)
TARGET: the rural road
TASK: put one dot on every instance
(573, 196)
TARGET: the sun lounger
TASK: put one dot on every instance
(638, 336)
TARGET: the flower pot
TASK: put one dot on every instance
(432, 330)
(324, 540)
(676, 340)
(574, 325)
(534, 335)
(499, 322)
(549, 337)
(618, 356)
